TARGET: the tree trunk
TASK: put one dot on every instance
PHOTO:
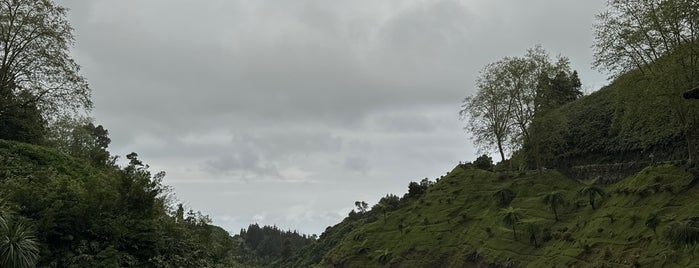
(502, 153)
(514, 232)
(555, 213)
(691, 133)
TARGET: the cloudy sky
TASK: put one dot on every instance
(286, 112)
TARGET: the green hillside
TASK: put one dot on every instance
(635, 116)
(458, 223)
(73, 214)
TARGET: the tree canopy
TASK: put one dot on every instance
(511, 92)
(36, 69)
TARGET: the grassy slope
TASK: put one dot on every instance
(448, 225)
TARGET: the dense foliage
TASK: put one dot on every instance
(268, 245)
(111, 216)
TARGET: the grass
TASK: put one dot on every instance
(459, 223)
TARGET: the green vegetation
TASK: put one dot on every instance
(64, 202)
(268, 245)
(435, 235)
(74, 214)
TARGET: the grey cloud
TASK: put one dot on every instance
(357, 164)
(287, 101)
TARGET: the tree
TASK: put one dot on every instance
(489, 110)
(553, 200)
(533, 230)
(632, 34)
(361, 206)
(660, 39)
(79, 137)
(508, 97)
(555, 91)
(504, 196)
(35, 38)
(512, 217)
(22, 123)
(592, 192)
(415, 190)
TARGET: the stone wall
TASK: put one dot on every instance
(609, 173)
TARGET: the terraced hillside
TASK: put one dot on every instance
(649, 219)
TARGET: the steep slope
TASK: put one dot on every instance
(638, 116)
(458, 223)
(84, 216)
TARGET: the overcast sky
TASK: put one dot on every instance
(286, 112)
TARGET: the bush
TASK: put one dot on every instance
(484, 162)
(684, 233)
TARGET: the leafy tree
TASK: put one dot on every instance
(388, 203)
(361, 206)
(22, 123)
(592, 192)
(554, 200)
(632, 34)
(415, 190)
(484, 162)
(560, 89)
(511, 217)
(533, 231)
(82, 139)
(509, 95)
(35, 38)
(489, 111)
(660, 38)
(504, 196)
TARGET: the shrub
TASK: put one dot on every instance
(684, 233)
(484, 162)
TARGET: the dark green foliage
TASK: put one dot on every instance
(592, 193)
(653, 221)
(20, 119)
(512, 217)
(484, 162)
(554, 200)
(686, 232)
(558, 90)
(268, 244)
(504, 196)
(18, 245)
(111, 216)
(415, 190)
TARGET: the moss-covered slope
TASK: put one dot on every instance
(458, 223)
